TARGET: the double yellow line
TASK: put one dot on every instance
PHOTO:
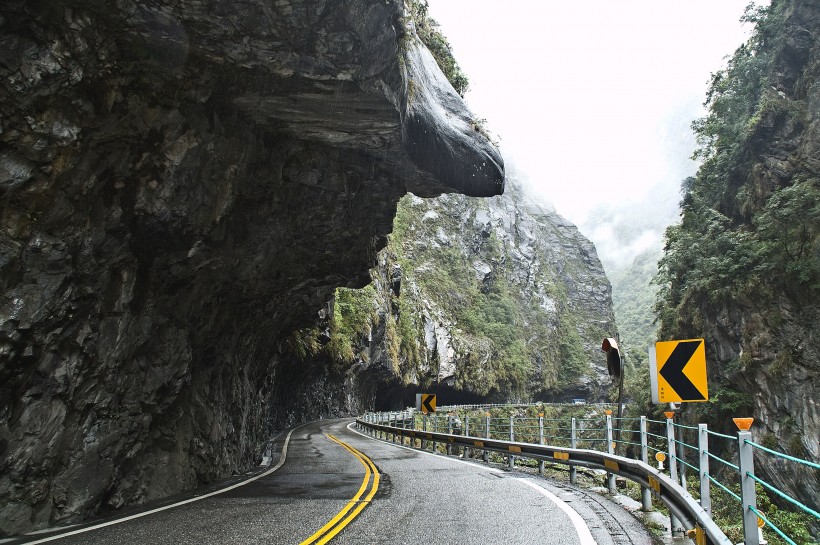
(346, 516)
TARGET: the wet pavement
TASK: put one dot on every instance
(421, 498)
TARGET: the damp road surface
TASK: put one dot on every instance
(332, 484)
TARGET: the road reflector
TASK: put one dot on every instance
(612, 465)
(697, 535)
(479, 444)
(743, 424)
(513, 448)
(451, 439)
(654, 484)
(760, 522)
(560, 455)
(660, 456)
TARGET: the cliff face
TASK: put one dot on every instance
(498, 299)
(742, 269)
(182, 184)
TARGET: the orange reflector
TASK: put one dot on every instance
(479, 444)
(743, 424)
(560, 455)
(514, 449)
(654, 484)
(669, 414)
(612, 465)
(660, 456)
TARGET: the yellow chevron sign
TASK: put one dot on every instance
(677, 371)
(426, 403)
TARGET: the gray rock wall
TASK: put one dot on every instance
(181, 184)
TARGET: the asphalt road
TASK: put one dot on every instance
(420, 499)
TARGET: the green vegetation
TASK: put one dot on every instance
(743, 265)
(428, 31)
(510, 343)
(727, 513)
(354, 313)
(506, 341)
(748, 238)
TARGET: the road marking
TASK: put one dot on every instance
(334, 526)
(581, 528)
(189, 500)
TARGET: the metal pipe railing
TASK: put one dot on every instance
(522, 436)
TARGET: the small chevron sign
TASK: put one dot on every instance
(677, 371)
(426, 403)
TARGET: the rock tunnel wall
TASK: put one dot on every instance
(181, 185)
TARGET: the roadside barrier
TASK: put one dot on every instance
(596, 443)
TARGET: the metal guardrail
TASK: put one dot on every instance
(679, 502)
(562, 441)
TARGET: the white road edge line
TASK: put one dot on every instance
(581, 527)
(189, 500)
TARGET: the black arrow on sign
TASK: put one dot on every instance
(672, 371)
(425, 403)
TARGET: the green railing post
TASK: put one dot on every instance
(748, 497)
(646, 494)
(573, 443)
(610, 448)
(703, 468)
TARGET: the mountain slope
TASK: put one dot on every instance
(742, 269)
(499, 298)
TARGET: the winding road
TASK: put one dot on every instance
(333, 484)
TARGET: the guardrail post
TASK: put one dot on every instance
(610, 448)
(748, 497)
(646, 494)
(703, 468)
(677, 528)
(541, 441)
(487, 435)
(391, 420)
(573, 443)
(511, 458)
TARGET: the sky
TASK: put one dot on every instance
(592, 101)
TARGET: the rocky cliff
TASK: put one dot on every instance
(497, 299)
(183, 183)
(742, 269)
